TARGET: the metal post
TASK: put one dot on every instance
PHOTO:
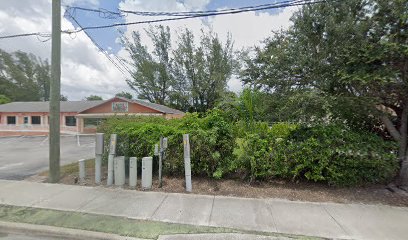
(98, 156)
(163, 147)
(112, 151)
(119, 166)
(160, 162)
(78, 142)
(187, 162)
(55, 94)
(132, 172)
(82, 171)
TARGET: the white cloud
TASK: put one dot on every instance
(86, 71)
(247, 29)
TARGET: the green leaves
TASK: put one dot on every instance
(4, 99)
(349, 56)
(190, 76)
(221, 148)
(24, 77)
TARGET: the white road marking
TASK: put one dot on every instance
(42, 143)
(14, 139)
(11, 165)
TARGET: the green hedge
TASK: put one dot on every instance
(335, 155)
(222, 148)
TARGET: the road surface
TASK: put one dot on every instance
(11, 236)
(21, 157)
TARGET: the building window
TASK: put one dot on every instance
(70, 121)
(35, 119)
(11, 120)
(25, 120)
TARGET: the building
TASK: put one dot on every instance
(32, 118)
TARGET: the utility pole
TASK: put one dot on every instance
(55, 94)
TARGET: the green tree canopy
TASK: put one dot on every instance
(4, 99)
(190, 76)
(124, 94)
(151, 71)
(352, 53)
(63, 98)
(93, 98)
(24, 77)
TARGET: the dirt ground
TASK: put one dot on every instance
(313, 192)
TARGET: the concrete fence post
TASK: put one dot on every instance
(187, 162)
(98, 156)
(147, 165)
(82, 170)
(133, 172)
(112, 152)
(119, 170)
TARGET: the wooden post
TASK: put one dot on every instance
(55, 94)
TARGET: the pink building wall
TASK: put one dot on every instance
(29, 128)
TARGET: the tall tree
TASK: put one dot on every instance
(151, 77)
(4, 99)
(191, 77)
(124, 94)
(43, 70)
(63, 98)
(93, 98)
(202, 71)
(355, 53)
(24, 77)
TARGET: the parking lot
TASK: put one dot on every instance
(21, 157)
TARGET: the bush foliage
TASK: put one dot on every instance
(223, 148)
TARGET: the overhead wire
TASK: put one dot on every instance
(121, 12)
(286, 4)
(188, 15)
(71, 16)
(26, 35)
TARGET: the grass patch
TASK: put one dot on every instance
(100, 223)
(116, 225)
(72, 168)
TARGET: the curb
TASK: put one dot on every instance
(50, 231)
(220, 236)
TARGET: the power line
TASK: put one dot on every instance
(189, 15)
(287, 4)
(47, 35)
(109, 14)
(67, 14)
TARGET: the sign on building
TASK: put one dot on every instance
(120, 107)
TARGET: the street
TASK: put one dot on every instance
(11, 236)
(21, 157)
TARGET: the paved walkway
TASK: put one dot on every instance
(341, 221)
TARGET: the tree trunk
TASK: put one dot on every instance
(400, 136)
(403, 176)
(402, 154)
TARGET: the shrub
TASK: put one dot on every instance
(221, 148)
(335, 155)
(211, 140)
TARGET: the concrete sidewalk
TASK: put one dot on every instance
(330, 220)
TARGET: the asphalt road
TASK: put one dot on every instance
(11, 236)
(21, 157)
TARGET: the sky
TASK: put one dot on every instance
(86, 71)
